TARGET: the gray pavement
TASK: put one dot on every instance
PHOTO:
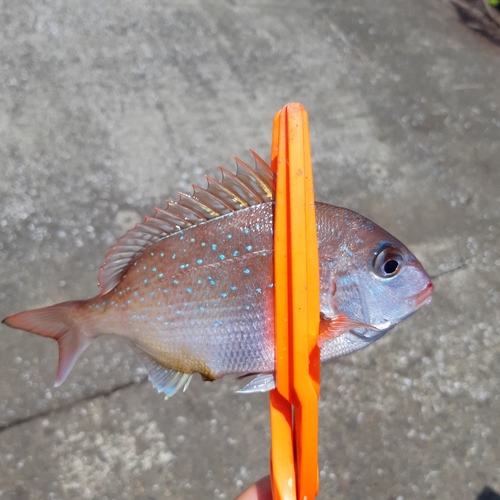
(108, 108)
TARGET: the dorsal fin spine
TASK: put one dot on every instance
(252, 180)
(218, 205)
(266, 174)
(239, 186)
(183, 212)
(224, 194)
(187, 201)
(217, 188)
(173, 220)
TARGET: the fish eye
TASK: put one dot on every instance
(388, 262)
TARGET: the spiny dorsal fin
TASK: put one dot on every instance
(247, 187)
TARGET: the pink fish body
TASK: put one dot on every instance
(191, 288)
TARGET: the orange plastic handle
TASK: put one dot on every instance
(294, 402)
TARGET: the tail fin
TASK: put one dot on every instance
(57, 322)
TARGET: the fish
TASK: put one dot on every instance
(191, 288)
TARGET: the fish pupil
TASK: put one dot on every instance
(391, 266)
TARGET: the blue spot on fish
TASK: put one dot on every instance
(199, 282)
(203, 243)
(192, 240)
(160, 275)
(173, 256)
(135, 294)
(154, 269)
(145, 281)
(223, 294)
(214, 246)
(247, 271)
(235, 253)
(188, 290)
(152, 294)
(199, 261)
(202, 308)
(346, 250)
(212, 282)
(249, 247)
(258, 290)
(228, 236)
(162, 255)
(346, 280)
(221, 257)
(142, 299)
(144, 268)
(233, 288)
(176, 282)
(246, 231)
(247, 308)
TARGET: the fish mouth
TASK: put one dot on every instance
(424, 297)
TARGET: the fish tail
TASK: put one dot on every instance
(62, 323)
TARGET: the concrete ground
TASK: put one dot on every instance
(108, 108)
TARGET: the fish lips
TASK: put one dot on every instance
(424, 297)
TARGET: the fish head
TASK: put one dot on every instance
(374, 278)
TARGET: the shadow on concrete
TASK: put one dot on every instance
(488, 494)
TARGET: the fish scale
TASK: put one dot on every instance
(192, 288)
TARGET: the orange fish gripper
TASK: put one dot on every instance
(294, 402)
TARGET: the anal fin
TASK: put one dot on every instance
(164, 380)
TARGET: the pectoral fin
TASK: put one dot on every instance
(331, 328)
(261, 383)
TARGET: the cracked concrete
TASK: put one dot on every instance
(109, 108)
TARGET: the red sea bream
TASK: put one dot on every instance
(191, 288)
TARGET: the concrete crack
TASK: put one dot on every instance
(53, 411)
(462, 265)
